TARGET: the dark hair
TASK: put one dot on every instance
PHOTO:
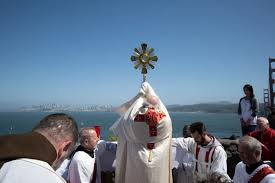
(186, 131)
(58, 126)
(197, 127)
(249, 88)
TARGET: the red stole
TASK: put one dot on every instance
(261, 174)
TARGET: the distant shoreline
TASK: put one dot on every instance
(174, 112)
(215, 108)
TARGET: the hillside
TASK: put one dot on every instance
(220, 107)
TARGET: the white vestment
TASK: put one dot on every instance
(241, 176)
(28, 171)
(62, 170)
(135, 162)
(183, 162)
(104, 154)
(81, 168)
(208, 159)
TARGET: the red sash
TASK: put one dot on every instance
(197, 156)
(261, 174)
(206, 158)
(152, 118)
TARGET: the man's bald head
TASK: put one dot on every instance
(263, 124)
(88, 138)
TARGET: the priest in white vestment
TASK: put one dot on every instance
(183, 163)
(144, 140)
(252, 169)
(209, 154)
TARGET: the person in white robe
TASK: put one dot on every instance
(18, 171)
(144, 133)
(252, 169)
(35, 155)
(62, 170)
(105, 154)
(209, 154)
(183, 163)
(82, 165)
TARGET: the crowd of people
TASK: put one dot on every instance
(203, 158)
(55, 151)
(256, 149)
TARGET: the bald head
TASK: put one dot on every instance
(263, 124)
(88, 138)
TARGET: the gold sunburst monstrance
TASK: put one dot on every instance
(144, 58)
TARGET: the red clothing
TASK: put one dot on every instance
(268, 139)
(151, 117)
(261, 174)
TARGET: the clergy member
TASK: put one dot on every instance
(144, 140)
(210, 155)
(252, 169)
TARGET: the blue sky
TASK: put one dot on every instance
(77, 52)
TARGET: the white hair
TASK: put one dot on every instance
(262, 120)
(252, 144)
(218, 177)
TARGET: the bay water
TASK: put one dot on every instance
(218, 124)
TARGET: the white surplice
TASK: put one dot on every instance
(184, 162)
(28, 170)
(135, 163)
(241, 176)
(208, 159)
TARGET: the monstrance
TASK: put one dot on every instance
(144, 59)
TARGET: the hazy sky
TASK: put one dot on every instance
(77, 52)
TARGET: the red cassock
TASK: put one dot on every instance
(268, 139)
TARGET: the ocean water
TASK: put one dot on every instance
(218, 124)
